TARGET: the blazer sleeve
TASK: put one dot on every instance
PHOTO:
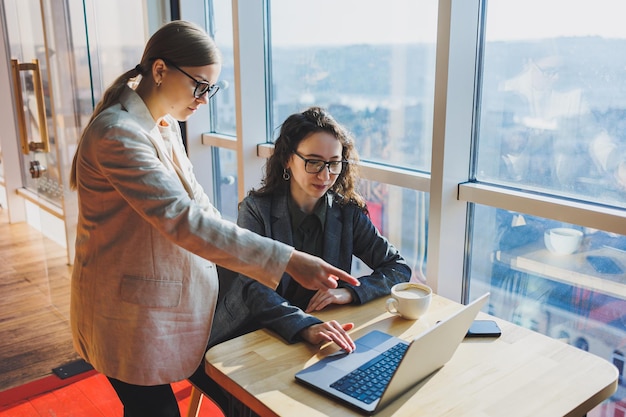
(269, 309)
(245, 305)
(388, 266)
(118, 157)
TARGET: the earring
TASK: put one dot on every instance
(286, 175)
(158, 84)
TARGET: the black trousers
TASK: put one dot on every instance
(160, 401)
(146, 401)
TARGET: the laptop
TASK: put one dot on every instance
(335, 374)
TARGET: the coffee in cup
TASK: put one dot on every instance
(409, 300)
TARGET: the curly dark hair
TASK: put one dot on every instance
(295, 129)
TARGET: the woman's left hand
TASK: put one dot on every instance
(323, 298)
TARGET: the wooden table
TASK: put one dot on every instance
(522, 373)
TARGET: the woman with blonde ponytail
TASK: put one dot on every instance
(144, 284)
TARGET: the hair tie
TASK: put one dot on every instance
(139, 69)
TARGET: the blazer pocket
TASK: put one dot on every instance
(151, 292)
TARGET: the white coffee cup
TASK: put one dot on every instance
(409, 300)
(563, 240)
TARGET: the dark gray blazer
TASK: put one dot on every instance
(245, 304)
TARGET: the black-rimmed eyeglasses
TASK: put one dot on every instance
(315, 166)
(202, 87)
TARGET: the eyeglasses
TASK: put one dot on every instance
(315, 166)
(202, 87)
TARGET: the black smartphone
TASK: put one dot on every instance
(484, 328)
(604, 264)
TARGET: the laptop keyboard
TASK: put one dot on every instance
(367, 382)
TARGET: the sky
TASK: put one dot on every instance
(539, 19)
(341, 22)
(392, 21)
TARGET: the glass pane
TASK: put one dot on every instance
(400, 215)
(27, 38)
(372, 67)
(223, 104)
(226, 197)
(553, 102)
(114, 44)
(559, 279)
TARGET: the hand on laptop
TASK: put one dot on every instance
(330, 331)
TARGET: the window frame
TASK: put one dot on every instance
(452, 190)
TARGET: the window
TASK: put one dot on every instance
(550, 153)
(477, 143)
(565, 295)
(223, 104)
(372, 67)
(552, 109)
(378, 83)
(404, 225)
(225, 169)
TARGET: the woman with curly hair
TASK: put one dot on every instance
(309, 200)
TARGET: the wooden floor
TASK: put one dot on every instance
(35, 336)
(34, 306)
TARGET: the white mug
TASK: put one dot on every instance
(409, 300)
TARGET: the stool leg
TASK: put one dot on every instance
(195, 402)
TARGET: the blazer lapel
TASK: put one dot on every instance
(133, 103)
(332, 231)
(281, 230)
(281, 220)
(168, 161)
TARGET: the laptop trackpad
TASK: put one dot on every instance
(367, 347)
(373, 339)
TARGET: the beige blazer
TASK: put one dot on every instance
(144, 283)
